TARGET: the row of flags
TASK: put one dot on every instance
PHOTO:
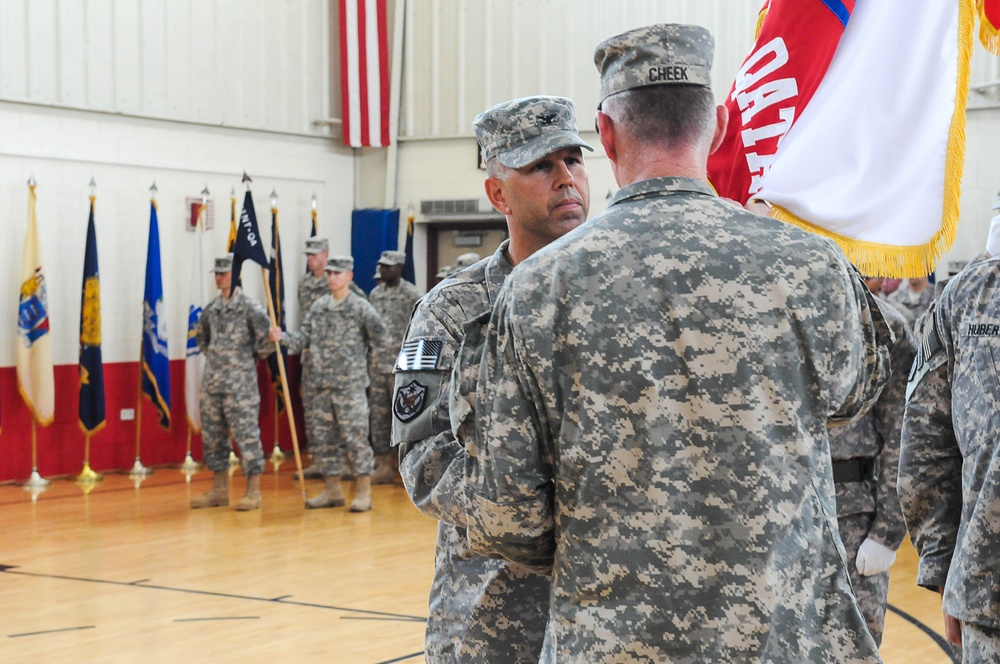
(848, 119)
(34, 351)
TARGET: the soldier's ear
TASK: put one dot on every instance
(497, 195)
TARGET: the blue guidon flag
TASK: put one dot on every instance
(248, 244)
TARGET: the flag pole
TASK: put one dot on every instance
(284, 388)
(277, 456)
(87, 474)
(281, 371)
(190, 466)
(138, 470)
(36, 481)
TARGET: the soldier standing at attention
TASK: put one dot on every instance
(865, 465)
(393, 299)
(949, 470)
(655, 392)
(233, 334)
(339, 330)
(482, 609)
(312, 287)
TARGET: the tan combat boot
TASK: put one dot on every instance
(217, 496)
(362, 494)
(385, 470)
(251, 501)
(332, 496)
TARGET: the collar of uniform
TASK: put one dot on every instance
(228, 303)
(661, 187)
(498, 268)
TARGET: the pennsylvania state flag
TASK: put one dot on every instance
(155, 362)
(92, 418)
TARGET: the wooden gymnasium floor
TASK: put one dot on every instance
(126, 574)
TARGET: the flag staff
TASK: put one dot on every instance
(190, 466)
(277, 456)
(35, 481)
(87, 475)
(281, 371)
(138, 470)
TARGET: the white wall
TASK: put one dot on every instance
(183, 92)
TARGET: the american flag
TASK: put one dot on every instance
(364, 73)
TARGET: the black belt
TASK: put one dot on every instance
(853, 470)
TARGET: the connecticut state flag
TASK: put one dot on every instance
(92, 417)
(35, 378)
(849, 120)
(155, 361)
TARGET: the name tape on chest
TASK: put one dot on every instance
(419, 355)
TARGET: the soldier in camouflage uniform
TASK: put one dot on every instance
(482, 610)
(949, 470)
(233, 334)
(312, 287)
(339, 330)
(393, 299)
(654, 398)
(865, 464)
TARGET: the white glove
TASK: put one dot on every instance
(874, 558)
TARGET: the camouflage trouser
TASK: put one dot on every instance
(980, 644)
(337, 422)
(239, 413)
(872, 592)
(380, 403)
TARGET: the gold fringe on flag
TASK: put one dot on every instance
(904, 262)
(989, 34)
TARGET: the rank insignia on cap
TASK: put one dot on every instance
(410, 401)
(419, 355)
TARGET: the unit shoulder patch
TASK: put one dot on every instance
(410, 401)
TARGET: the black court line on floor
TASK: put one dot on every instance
(10, 569)
(403, 658)
(937, 638)
(52, 631)
(177, 620)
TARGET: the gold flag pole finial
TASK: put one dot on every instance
(31, 181)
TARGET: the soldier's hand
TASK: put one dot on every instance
(874, 558)
(274, 334)
(952, 627)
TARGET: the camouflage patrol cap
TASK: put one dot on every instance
(665, 53)
(462, 262)
(339, 264)
(223, 264)
(392, 258)
(317, 245)
(521, 131)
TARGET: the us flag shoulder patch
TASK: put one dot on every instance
(420, 355)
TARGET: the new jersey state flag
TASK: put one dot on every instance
(874, 159)
(35, 379)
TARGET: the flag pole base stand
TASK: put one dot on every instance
(190, 466)
(87, 487)
(139, 470)
(277, 456)
(35, 491)
(88, 475)
(36, 481)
